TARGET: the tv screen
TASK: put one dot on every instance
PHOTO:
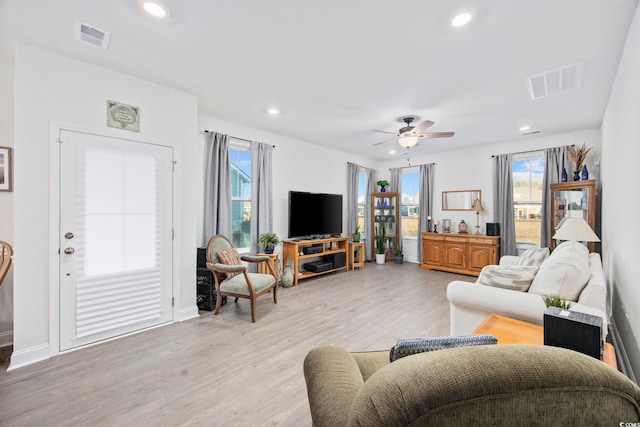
(314, 214)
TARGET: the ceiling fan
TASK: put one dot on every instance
(408, 135)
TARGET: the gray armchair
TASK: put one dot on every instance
(234, 280)
(482, 385)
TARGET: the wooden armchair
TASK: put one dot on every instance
(232, 278)
(6, 252)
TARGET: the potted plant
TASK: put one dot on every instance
(383, 183)
(380, 240)
(556, 301)
(268, 241)
(398, 257)
(356, 234)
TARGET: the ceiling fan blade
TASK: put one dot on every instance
(385, 142)
(422, 126)
(385, 131)
(437, 135)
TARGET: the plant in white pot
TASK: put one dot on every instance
(380, 239)
(268, 241)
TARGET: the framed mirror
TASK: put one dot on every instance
(460, 200)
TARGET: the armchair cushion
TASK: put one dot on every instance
(229, 256)
(513, 277)
(238, 284)
(409, 346)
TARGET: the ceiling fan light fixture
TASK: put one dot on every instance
(408, 141)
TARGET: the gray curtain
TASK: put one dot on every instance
(261, 192)
(368, 231)
(395, 184)
(425, 207)
(555, 159)
(503, 203)
(352, 197)
(217, 187)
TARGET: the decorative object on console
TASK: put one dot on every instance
(269, 242)
(383, 183)
(477, 207)
(446, 226)
(435, 225)
(565, 177)
(576, 230)
(462, 227)
(585, 172)
(493, 229)
(356, 234)
(577, 154)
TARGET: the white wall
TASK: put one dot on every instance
(52, 89)
(6, 202)
(620, 155)
(297, 165)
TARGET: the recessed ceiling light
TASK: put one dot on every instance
(461, 20)
(155, 8)
(392, 151)
(274, 111)
(524, 128)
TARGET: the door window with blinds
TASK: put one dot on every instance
(115, 237)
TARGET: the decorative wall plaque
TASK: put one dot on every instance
(123, 116)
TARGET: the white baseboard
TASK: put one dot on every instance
(6, 339)
(187, 313)
(28, 356)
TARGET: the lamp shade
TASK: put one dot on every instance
(477, 206)
(577, 230)
(408, 141)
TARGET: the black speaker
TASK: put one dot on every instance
(493, 229)
(338, 260)
(202, 258)
(573, 330)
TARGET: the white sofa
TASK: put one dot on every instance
(471, 303)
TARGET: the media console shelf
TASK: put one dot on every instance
(295, 253)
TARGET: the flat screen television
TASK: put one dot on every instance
(314, 215)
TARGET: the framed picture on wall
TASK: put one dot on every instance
(6, 169)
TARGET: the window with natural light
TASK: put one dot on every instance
(527, 172)
(409, 202)
(240, 170)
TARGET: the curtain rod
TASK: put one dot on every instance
(530, 151)
(414, 166)
(238, 139)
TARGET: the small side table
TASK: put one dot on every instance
(275, 264)
(356, 255)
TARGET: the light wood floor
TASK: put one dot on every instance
(223, 370)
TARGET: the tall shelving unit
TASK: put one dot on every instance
(574, 199)
(385, 213)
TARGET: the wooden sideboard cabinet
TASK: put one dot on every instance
(459, 253)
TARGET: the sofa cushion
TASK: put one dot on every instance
(533, 257)
(513, 277)
(565, 273)
(409, 346)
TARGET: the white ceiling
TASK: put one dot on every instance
(340, 68)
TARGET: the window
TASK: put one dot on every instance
(362, 199)
(409, 202)
(527, 172)
(240, 169)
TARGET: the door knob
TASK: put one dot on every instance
(68, 235)
(69, 251)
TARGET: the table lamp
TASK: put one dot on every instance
(575, 229)
(477, 207)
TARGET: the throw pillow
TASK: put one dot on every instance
(565, 273)
(533, 257)
(229, 256)
(409, 346)
(512, 277)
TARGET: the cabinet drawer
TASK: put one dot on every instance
(456, 239)
(482, 241)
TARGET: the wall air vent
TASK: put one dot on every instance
(92, 35)
(554, 82)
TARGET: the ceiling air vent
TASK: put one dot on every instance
(92, 35)
(555, 81)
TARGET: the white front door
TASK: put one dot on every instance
(115, 237)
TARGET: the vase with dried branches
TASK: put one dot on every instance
(577, 154)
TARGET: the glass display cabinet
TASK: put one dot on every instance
(575, 199)
(384, 215)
